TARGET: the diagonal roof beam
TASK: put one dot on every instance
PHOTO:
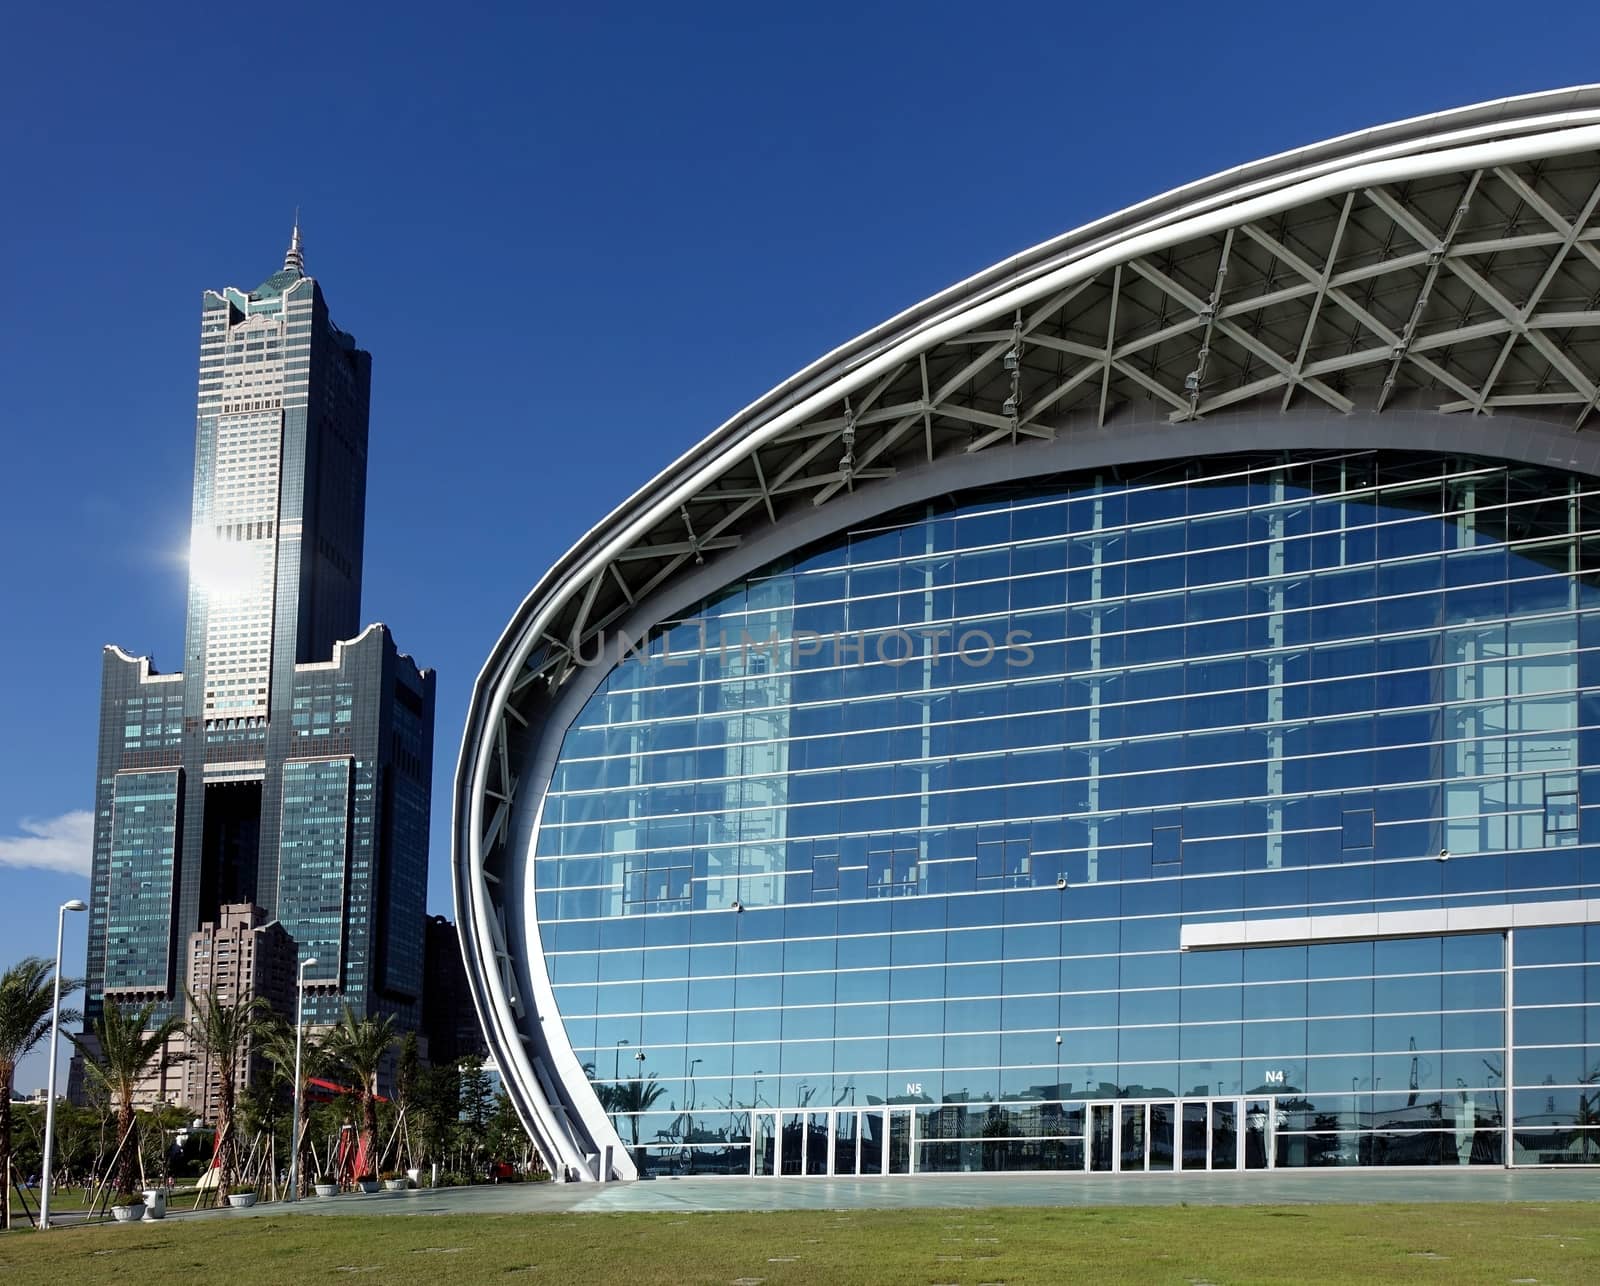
(1437, 248)
(1563, 248)
(1342, 300)
(1195, 378)
(1414, 225)
(1111, 343)
(1246, 341)
(1581, 236)
(1322, 293)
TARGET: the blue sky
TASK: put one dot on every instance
(574, 243)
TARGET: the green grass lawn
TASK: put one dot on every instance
(67, 1199)
(1423, 1243)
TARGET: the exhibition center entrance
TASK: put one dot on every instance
(1181, 1134)
(875, 1140)
(1109, 1137)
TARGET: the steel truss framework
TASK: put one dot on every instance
(1449, 265)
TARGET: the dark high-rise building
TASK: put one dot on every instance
(449, 1019)
(288, 765)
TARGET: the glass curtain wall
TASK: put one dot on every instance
(913, 818)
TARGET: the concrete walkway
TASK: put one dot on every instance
(958, 1191)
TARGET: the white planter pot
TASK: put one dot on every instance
(128, 1214)
(396, 1185)
(155, 1204)
(326, 1189)
(241, 1200)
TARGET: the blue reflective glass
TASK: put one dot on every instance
(883, 845)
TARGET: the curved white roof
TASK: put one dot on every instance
(1443, 272)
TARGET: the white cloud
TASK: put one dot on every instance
(64, 843)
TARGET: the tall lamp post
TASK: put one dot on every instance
(299, 1030)
(77, 904)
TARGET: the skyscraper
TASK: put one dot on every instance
(288, 765)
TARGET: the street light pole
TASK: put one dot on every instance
(299, 1030)
(77, 904)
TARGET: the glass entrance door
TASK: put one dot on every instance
(898, 1158)
(1102, 1136)
(764, 1143)
(1189, 1134)
(1196, 1135)
(1144, 1136)
(871, 1143)
(847, 1142)
(1160, 1129)
(1131, 1144)
(814, 1142)
(1225, 1135)
(1258, 1146)
(792, 1150)
(790, 1143)
(1160, 1135)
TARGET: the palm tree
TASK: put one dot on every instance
(359, 1048)
(224, 1033)
(26, 1000)
(119, 1050)
(634, 1097)
(276, 1043)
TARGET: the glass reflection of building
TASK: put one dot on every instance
(1132, 711)
(1244, 685)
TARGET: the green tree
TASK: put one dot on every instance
(224, 1033)
(276, 1043)
(437, 1100)
(507, 1138)
(119, 1050)
(631, 1098)
(407, 1078)
(27, 996)
(359, 1047)
(477, 1100)
(603, 1090)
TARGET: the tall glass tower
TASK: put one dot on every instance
(288, 765)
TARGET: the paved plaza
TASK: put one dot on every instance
(957, 1191)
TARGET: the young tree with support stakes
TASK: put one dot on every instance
(359, 1048)
(438, 1102)
(225, 1033)
(120, 1050)
(407, 1072)
(276, 1043)
(26, 1000)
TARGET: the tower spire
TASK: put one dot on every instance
(294, 260)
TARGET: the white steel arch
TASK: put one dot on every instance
(1440, 272)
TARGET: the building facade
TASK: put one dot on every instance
(241, 958)
(1136, 710)
(449, 1019)
(287, 766)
